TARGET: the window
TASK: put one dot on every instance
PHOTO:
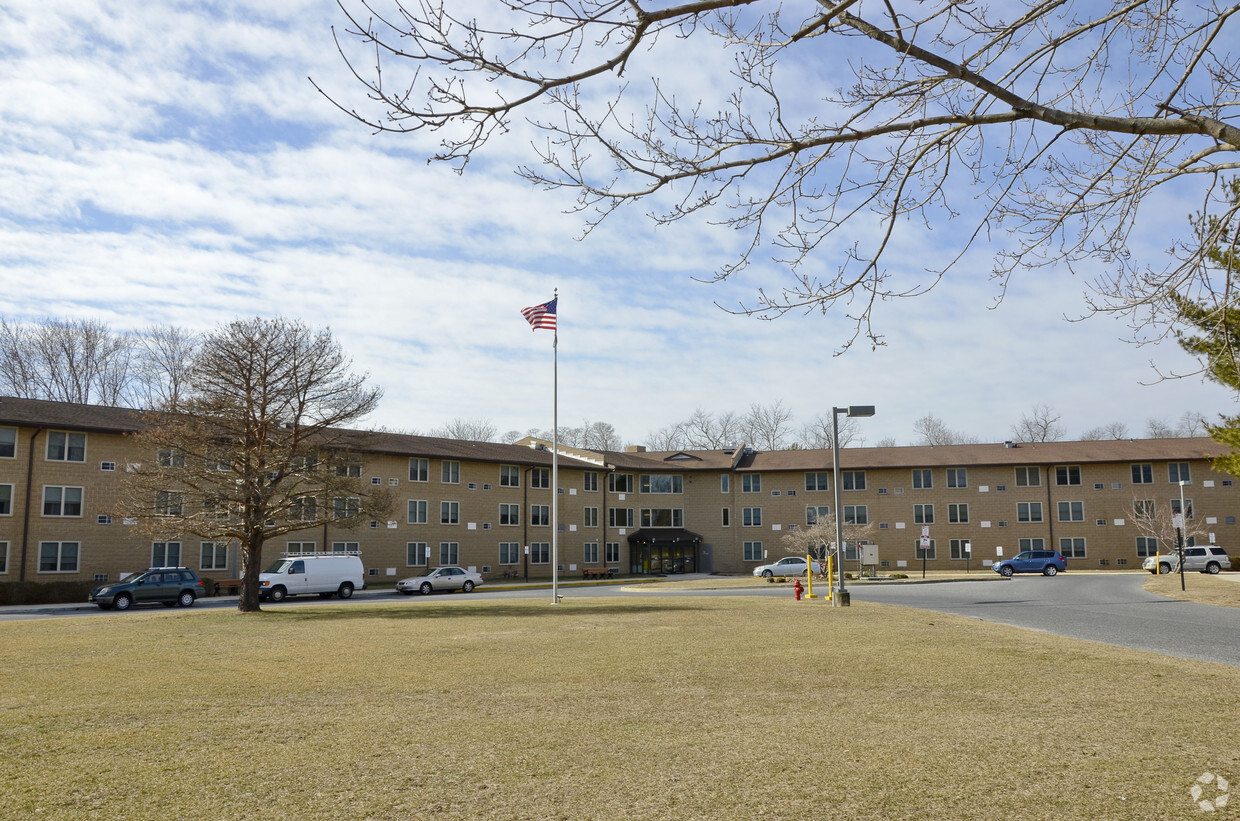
(1072, 548)
(1032, 544)
(1143, 509)
(1028, 477)
(213, 556)
(66, 447)
(1068, 475)
(449, 553)
(541, 478)
(62, 501)
(620, 482)
(540, 515)
(1028, 511)
(751, 516)
(817, 481)
(540, 553)
(6, 500)
(305, 509)
(959, 548)
(1143, 474)
(509, 476)
(815, 512)
(589, 481)
(8, 445)
(417, 512)
(346, 507)
(957, 477)
(923, 514)
(852, 480)
(725, 483)
(922, 480)
(510, 553)
(958, 513)
(753, 551)
(419, 470)
(299, 547)
(589, 553)
(727, 517)
(509, 514)
(1071, 511)
(1146, 546)
(1178, 472)
(658, 483)
(165, 554)
(416, 554)
(925, 553)
(450, 473)
(1175, 507)
(751, 483)
(58, 557)
(346, 547)
(4, 557)
(449, 513)
(619, 517)
(662, 517)
(611, 553)
(354, 471)
(589, 517)
(171, 458)
(856, 515)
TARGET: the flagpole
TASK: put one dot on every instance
(555, 459)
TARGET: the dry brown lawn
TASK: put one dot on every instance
(644, 708)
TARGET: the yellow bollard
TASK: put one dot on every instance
(809, 574)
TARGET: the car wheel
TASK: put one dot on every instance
(766, 574)
(1164, 569)
(426, 589)
(1006, 571)
(277, 594)
(122, 601)
(186, 599)
(1050, 570)
(468, 587)
(345, 591)
(1212, 568)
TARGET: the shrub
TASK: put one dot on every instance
(45, 592)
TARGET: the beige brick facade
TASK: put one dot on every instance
(481, 505)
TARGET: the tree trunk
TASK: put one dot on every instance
(251, 566)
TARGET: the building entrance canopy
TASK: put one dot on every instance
(664, 550)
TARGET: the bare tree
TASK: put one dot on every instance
(468, 430)
(707, 431)
(1159, 429)
(601, 436)
(885, 442)
(934, 431)
(165, 354)
(258, 448)
(668, 437)
(1050, 121)
(767, 426)
(1191, 423)
(817, 434)
(818, 538)
(1041, 424)
(1112, 430)
(1155, 520)
(65, 360)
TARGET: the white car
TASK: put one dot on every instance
(1204, 559)
(787, 566)
(441, 578)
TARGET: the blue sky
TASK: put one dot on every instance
(170, 162)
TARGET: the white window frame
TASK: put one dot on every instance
(417, 552)
(60, 548)
(449, 513)
(66, 446)
(62, 502)
(218, 556)
(419, 470)
(417, 512)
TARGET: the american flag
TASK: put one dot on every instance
(541, 316)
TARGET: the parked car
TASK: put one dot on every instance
(1204, 559)
(166, 585)
(787, 566)
(441, 578)
(328, 574)
(1046, 562)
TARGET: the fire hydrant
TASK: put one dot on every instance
(797, 589)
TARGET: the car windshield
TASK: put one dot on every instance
(278, 566)
(130, 577)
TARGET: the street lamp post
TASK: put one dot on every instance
(841, 597)
(1179, 530)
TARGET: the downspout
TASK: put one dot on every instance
(1051, 513)
(26, 513)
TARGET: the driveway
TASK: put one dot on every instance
(1109, 608)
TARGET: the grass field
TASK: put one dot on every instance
(645, 708)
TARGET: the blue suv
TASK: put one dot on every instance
(1046, 562)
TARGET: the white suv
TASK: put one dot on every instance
(1203, 558)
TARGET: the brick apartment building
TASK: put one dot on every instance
(488, 506)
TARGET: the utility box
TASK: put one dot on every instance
(869, 559)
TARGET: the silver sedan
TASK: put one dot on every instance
(441, 578)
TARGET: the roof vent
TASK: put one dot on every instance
(1010, 444)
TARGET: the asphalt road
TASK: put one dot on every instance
(1110, 608)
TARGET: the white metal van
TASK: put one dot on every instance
(323, 573)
